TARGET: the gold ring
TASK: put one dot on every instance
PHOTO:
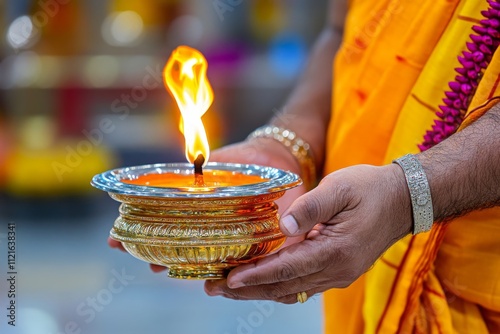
(302, 297)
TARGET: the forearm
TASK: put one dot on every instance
(464, 170)
(307, 110)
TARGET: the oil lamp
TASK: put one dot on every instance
(199, 219)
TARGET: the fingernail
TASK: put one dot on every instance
(235, 284)
(290, 224)
(234, 281)
(215, 291)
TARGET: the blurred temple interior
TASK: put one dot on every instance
(81, 92)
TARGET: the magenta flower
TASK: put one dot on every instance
(483, 43)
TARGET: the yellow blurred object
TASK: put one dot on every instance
(147, 9)
(267, 18)
(65, 168)
(5, 142)
(41, 165)
(37, 132)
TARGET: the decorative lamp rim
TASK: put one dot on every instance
(274, 180)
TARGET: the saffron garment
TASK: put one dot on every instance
(390, 75)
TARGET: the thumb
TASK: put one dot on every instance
(317, 206)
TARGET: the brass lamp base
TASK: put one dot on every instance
(197, 273)
(201, 235)
(198, 238)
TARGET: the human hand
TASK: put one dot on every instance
(350, 218)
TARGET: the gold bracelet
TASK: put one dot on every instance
(295, 145)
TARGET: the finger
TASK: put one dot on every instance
(215, 287)
(156, 268)
(317, 206)
(281, 292)
(298, 260)
(116, 244)
(294, 298)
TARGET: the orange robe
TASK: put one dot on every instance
(390, 75)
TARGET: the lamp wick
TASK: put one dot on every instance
(198, 171)
(198, 163)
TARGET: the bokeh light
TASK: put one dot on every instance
(101, 71)
(22, 33)
(122, 28)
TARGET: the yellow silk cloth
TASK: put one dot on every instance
(390, 75)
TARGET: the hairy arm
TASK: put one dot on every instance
(464, 170)
(307, 110)
(356, 213)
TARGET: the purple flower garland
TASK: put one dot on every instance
(484, 42)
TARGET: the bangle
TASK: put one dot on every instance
(295, 145)
(420, 193)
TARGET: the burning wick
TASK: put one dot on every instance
(198, 170)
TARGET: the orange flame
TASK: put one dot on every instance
(185, 77)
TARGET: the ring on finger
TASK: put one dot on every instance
(302, 297)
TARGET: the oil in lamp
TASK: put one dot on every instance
(199, 219)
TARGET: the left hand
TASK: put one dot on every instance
(350, 218)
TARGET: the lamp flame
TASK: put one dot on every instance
(185, 77)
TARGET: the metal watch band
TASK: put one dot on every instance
(420, 193)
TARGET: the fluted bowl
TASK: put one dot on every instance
(198, 232)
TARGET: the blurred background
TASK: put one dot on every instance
(81, 92)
